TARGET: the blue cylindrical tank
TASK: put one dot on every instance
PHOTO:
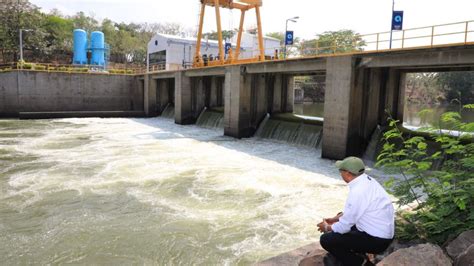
(98, 48)
(80, 47)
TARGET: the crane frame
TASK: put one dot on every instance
(243, 6)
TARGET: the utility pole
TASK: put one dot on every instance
(293, 19)
(391, 24)
(21, 46)
(21, 42)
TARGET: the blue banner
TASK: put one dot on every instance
(397, 20)
(289, 38)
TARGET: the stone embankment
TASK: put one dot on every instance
(459, 252)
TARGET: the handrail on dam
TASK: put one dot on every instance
(61, 68)
(458, 33)
(450, 34)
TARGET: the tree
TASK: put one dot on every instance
(277, 35)
(458, 85)
(329, 42)
(166, 28)
(81, 21)
(58, 35)
(13, 17)
(226, 35)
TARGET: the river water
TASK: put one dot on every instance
(148, 191)
(410, 118)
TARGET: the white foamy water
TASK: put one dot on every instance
(147, 191)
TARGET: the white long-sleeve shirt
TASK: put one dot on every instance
(369, 207)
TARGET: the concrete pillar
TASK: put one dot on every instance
(237, 103)
(261, 98)
(199, 93)
(393, 92)
(214, 92)
(340, 77)
(277, 92)
(162, 95)
(220, 91)
(402, 84)
(374, 78)
(183, 100)
(149, 95)
(290, 94)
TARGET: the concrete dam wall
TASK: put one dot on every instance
(29, 91)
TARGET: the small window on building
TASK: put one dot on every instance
(156, 43)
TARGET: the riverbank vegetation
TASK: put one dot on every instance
(435, 174)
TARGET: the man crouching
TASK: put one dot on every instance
(367, 223)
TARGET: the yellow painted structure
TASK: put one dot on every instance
(243, 6)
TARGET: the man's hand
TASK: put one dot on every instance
(322, 227)
(333, 220)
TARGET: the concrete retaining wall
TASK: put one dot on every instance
(29, 91)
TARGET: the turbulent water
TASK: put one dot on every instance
(211, 119)
(290, 132)
(147, 191)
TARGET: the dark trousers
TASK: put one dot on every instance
(348, 247)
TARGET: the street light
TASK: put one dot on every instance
(391, 24)
(293, 19)
(21, 42)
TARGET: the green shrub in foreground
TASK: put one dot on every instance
(441, 181)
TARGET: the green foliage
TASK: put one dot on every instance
(40, 67)
(457, 85)
(277, 35)
(28, 66)
(226, 34)
(82, 70)
(333, 42)
(118, 71)
(438, 172)
(52, 35)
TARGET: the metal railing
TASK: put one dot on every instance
(61, 68)
(459, 33)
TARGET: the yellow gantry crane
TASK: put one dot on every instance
(233, 58)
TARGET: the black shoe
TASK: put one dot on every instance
(331, 260)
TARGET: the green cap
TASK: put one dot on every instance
(351, 164)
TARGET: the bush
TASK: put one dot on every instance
(82, 70)
(28, 66)
(117, 71)
(52, 69)
(40, 67)
(129, 71)
(62, 68)
(440, 180)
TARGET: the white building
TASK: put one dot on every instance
(173, 52)
(250, 44)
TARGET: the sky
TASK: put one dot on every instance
(316, 16)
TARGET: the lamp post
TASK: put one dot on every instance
(391, 24)
(293, 19)
(21, 42)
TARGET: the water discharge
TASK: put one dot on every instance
(147, 191)
(211, 119)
